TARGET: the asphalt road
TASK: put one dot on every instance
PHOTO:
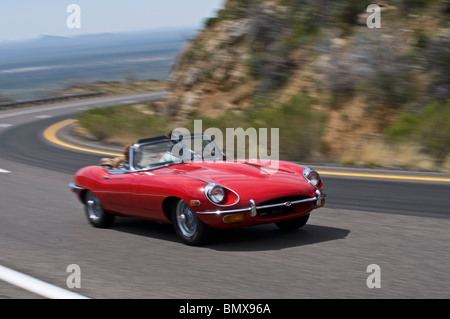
(400, 225)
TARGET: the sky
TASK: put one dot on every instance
(28, 19)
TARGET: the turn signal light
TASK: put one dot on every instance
(194, 203)
(235, 218)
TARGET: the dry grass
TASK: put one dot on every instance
(377, 152)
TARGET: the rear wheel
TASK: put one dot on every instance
(95, 212)
(188, 227)
(293, 224)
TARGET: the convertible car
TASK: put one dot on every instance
(189, 183)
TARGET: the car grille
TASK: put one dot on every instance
(281, 210)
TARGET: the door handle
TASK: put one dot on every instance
(107, 177)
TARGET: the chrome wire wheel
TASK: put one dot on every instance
(95, 212)
(188, 227)
(186, 219)
(94, 207)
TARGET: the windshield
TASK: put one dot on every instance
(167, 152)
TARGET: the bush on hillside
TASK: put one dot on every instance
(430, 128)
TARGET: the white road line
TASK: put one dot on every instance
(36, 286)
(43, 116)
(4, 171)
(129, 102)
(4, 125)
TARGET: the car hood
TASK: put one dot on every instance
(249, 179)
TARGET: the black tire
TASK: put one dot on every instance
(293, 224)
(188, 227)
(95, 212)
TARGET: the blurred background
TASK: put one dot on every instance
(339, 91)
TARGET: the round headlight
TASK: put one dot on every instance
(312, 176)
(216, 194)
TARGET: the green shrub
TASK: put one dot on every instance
(236, 10)
(300, 127)
(430, 129)
(210, 22)
(109, 123)
(391, 86)
(304, 21)
(437, 61)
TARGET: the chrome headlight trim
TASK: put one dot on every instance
(211, 187)
(216, 193)
(315, 181)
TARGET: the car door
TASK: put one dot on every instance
(118, 188)
(149, 193)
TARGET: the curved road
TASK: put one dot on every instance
(400, 225)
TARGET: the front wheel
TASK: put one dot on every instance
(95, 213)
(293, 224)
(188, 227)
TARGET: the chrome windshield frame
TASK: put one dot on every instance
(165, 139)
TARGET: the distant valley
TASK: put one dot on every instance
(39, 67)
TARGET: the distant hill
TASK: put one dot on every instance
(37, 67)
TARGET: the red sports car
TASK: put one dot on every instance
(198, 190)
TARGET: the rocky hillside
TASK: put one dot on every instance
(338, 90)
(258, 54)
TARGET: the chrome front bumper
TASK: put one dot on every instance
(253, 209)
(75, 187)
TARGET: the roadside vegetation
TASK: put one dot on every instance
(299, 138)
(429, 129)
(122, 124)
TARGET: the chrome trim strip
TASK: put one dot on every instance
(254, 209)
(75, 186)
(218, 212)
